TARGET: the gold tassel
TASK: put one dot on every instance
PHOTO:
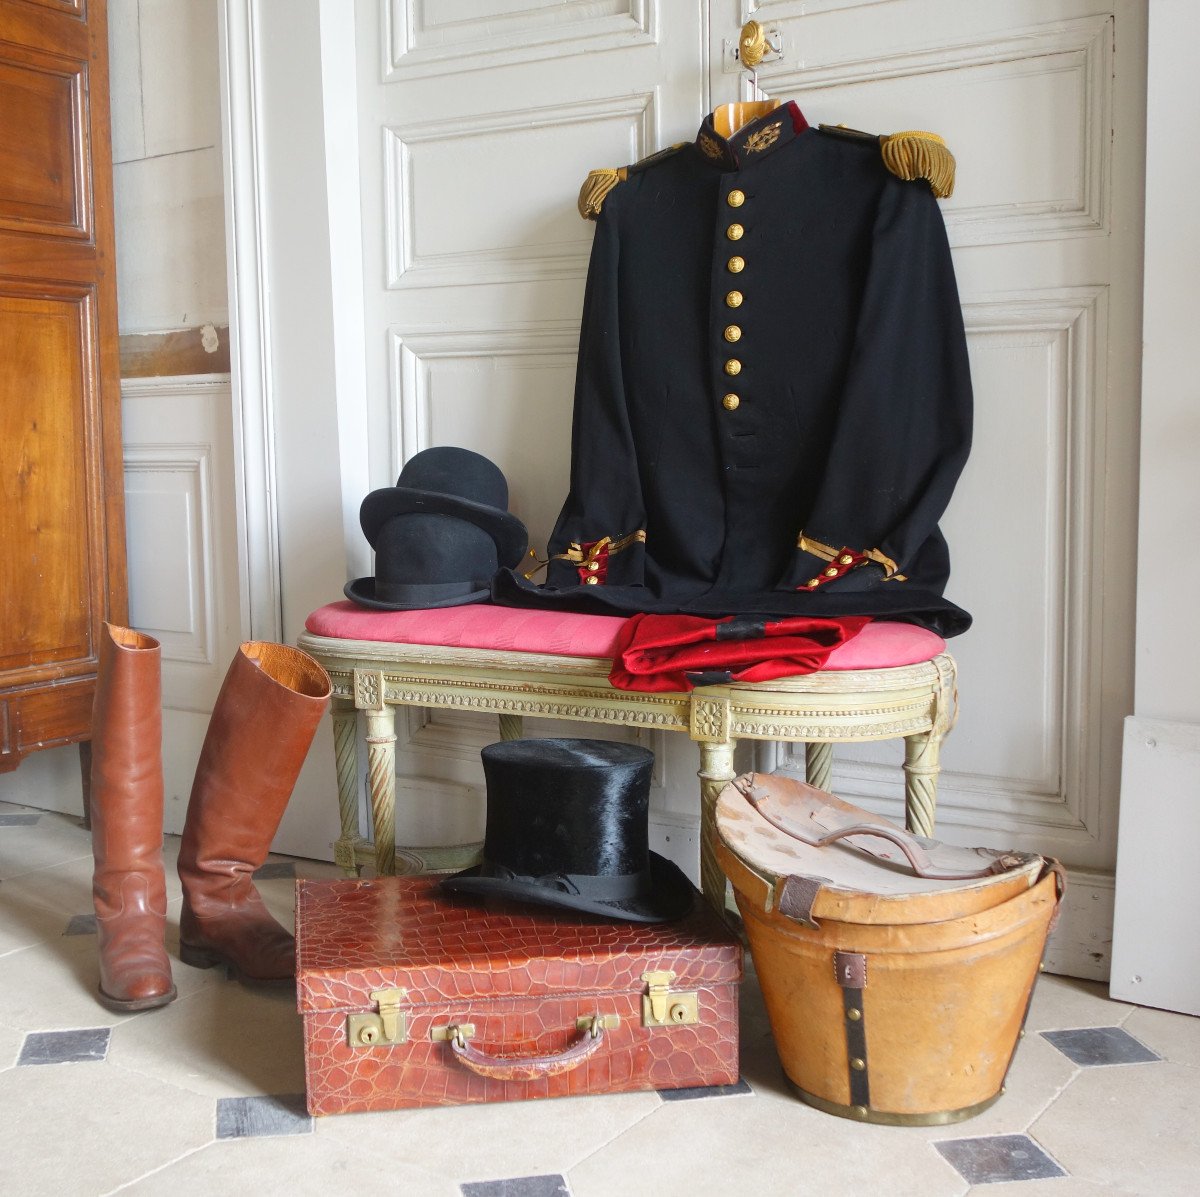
(915, 154)
(595, 187)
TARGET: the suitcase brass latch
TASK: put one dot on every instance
(389, 1026)
(663, 1007)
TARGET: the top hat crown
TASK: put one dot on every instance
(568, 825)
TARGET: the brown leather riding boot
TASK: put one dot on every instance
(265, 718)
(128, 886)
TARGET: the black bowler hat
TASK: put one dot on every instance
(439, 534)
(568, 825)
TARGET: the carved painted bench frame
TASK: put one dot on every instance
(916, 702)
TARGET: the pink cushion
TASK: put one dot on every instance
(878, 645)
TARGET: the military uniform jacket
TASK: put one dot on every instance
(773, 401)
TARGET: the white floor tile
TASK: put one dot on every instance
(703, 1147)
(52, 840)
(1176, 1037)
(486, 1142)
(298, 1165)
(1130, 1125)
(224, 1040)
(84, 1129)
(1063, 1002)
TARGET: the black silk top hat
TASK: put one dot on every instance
(568, 825)
(439, 534)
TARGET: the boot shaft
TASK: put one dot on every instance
(127, 777)
(264, 720)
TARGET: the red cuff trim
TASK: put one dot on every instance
(842, 563)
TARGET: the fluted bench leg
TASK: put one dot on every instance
(716, 769)
(921, 770)
(818, 764)
(345, 755)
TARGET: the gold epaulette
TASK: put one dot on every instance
(596, 186)
(911, 154)
(600, 182)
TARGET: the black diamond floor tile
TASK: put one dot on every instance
(19, 819)
(275, 868)
(518, 1186)
(1090, 1047)
(250, 1117)
(64, 1047)
(739, 1086)
(81, 924)
(996, 1158)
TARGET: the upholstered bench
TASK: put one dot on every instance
(891, 681)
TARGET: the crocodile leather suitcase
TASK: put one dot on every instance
(412, 996)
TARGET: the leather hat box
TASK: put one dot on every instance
(413, 996)
(896, 971)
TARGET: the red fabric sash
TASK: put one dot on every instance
(679, 652)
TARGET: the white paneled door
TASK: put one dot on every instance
(478, 119)
(1042, 103)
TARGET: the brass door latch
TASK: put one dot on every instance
(388, 1027)
(664, 1007)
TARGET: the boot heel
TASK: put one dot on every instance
(198, 957)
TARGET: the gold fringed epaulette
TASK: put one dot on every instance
(595, 187)
(915, 154)
(600, 182)
(912, 154)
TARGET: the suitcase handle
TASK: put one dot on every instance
(529, 1068)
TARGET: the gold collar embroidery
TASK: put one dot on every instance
(763, 138)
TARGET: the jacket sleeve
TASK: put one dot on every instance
(600, 531)
(903, 428)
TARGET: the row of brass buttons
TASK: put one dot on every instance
(735, 265)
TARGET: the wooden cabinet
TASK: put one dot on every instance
(62, 542)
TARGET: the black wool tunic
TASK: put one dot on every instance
(773, 401)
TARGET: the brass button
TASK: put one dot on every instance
(854, 1014)
(735, 232)
(736, 198)
(845, 559)
(592, 581)
(733, 366)
(736, 265)
(813, 583)
(858, 1064)
(733, 333)
(593, 566)
(731, 402)
(832, 572)
(733, 299)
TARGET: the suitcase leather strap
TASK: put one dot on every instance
(529, 1068)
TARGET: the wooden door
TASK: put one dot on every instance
(62, 545)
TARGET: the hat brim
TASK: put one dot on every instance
(671, 894)
(362, 591)
(510, 535)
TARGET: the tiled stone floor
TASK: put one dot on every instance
(206, 1095)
